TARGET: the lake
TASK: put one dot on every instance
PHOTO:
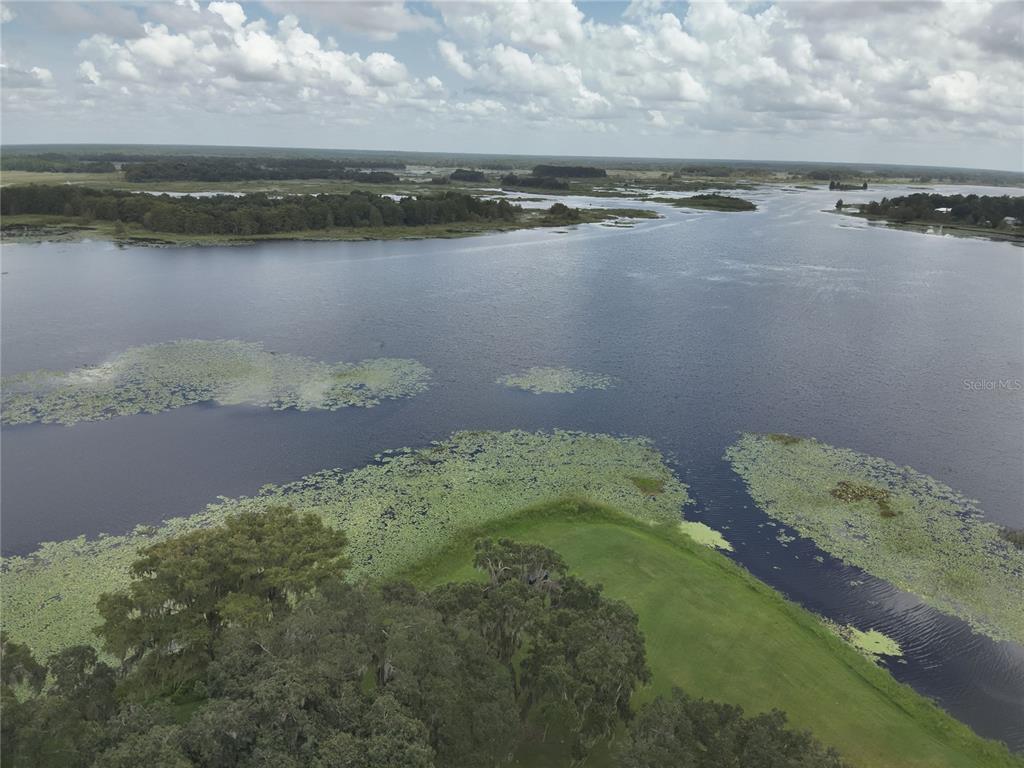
(789, 319)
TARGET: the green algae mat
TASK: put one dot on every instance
(558, 381)
(893, 522)
(714, 630)
(402, 508)
(158, 377)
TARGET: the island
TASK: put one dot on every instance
(999, 217)
(41, 212)
(708, 202)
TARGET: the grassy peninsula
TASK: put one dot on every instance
(610, 506)
(715, 631)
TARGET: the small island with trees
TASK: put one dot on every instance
(709, 202)
(998, 217)
(50, 211)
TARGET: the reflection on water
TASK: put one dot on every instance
(787, 319)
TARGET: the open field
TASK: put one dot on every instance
(717, 632)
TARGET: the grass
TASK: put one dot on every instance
(714, 630)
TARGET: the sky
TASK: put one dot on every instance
(933, 83)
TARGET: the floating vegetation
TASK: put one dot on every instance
(847, 491)
(158, 377)
(407, 505)
(893, 522)
(1013, 535)
(556, 380)
(871, 643)
(649, 485)
(705, 534)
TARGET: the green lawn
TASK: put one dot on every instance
(717, 632)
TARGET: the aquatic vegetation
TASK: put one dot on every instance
(871, 643)
(650, 485)
(893, 522)
(556, 380)
(408, 504)
(705, 534)
(158, 377)
(1014, 535)
(847, 491)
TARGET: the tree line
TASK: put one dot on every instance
(244, 646)
(146, 167)
(254, 168)
(533, 182)
(463, 174)
(251, 214)
(975, 210)
(54, 163)
(570, 171)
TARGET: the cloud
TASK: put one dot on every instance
(454, 59)
(6, 14)
(232, 13)
(15, 77)
(879, 72)
(378, 20)
(233, 63)
(546, 26)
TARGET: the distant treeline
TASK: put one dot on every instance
(143, 168)
(461, 174)
(570, 171)
(977, 210)
(54, 163)
(253, 214)
(251, 169)
(835, 184)
(538, 182)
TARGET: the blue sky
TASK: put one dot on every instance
(897, 82)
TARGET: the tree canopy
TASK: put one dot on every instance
(975, 210)
(686, 732)
(252, 214)
(244, 646)
(570, 171)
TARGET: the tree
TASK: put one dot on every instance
(685, 732)
(18, 666)
(584, 661)
(187, 589)
(839, 204)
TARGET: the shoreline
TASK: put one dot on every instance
(922, 227)
(42, 228)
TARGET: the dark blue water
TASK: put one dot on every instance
(787, 319)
